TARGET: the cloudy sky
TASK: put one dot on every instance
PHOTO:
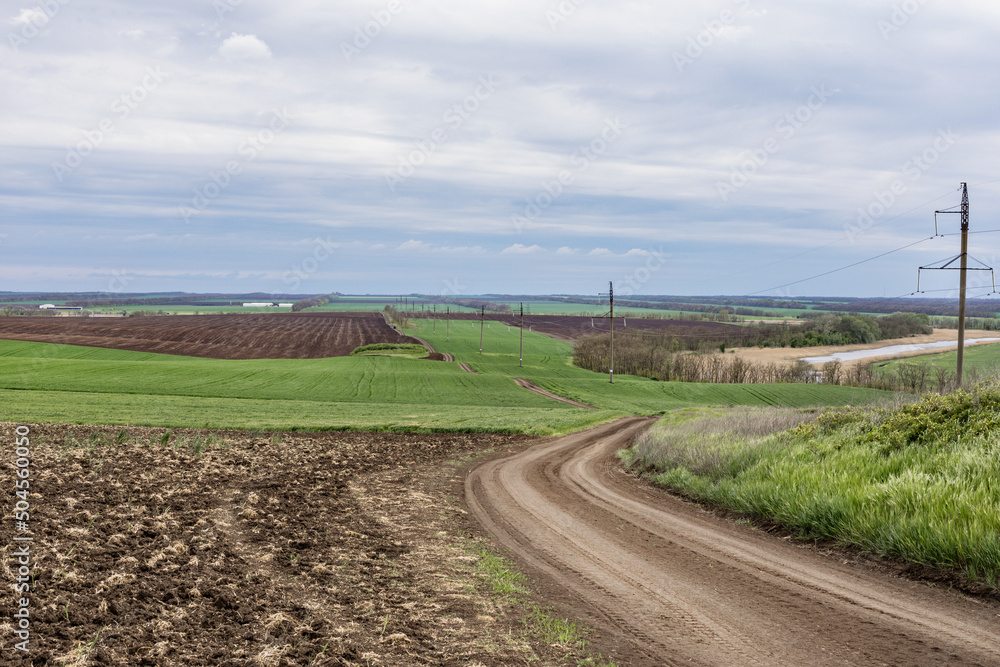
(442, 147)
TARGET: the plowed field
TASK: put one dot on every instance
(278, 336)
(227, 549)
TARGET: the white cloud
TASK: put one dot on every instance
(520, 249)
(244, 47)
(413, 244)
(600, 252)
(638, 252)
(566, 250)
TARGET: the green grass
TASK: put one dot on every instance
(916, 482)
(289, 415)
(984, 358)
(43, 382)
(510, 586)
(548, 363)
(391, 350)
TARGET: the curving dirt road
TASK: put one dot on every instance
(667, 583)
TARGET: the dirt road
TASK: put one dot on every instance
(667, 583)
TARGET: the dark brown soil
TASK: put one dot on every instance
(272, 336)
(256, 549)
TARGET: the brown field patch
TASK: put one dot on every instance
(270, 336)
(257, 549)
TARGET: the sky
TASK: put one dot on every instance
(728, 147)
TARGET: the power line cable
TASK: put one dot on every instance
(843, 268)
(839, 240)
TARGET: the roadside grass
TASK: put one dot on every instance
(915, 482)
(510, 586)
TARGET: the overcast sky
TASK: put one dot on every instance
(444, 147)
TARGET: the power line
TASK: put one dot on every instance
(844, 268)
(840, 240)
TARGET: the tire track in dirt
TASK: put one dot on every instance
(467, 368)
(669, 583)
(531, 386)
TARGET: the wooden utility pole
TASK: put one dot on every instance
(482, 326)
(522, 335)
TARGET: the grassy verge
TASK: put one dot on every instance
(541, 623)
(915, 482)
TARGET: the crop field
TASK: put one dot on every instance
(158, 547)
(984, 358)
(276, 336)
(44, 382)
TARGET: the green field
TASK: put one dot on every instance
(984, 358)
(548, 363)
(58, 383)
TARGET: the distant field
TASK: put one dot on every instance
(61, 383)
(985, 358)
(278, 336)
(548, 364)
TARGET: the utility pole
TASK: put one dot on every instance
(447, 324)
(611, 298)
(962, 284)
(963, 276)
(482, 326)
(522, 335)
